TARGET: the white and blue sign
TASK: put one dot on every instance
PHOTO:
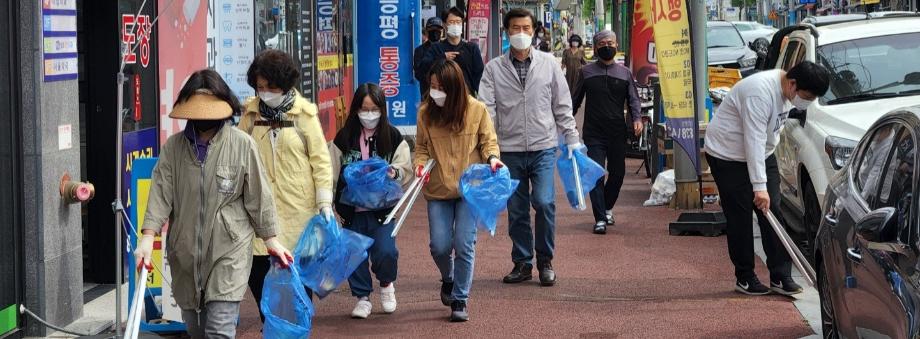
(59, 40)
(384, 55)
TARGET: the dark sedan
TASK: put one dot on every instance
(867, 244)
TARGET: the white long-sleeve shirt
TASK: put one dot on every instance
(747, 124)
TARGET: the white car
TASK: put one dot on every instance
(751, 30)
(875, 68)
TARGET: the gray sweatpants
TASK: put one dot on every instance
(218, 319)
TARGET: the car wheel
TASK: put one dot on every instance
(812, 215)
(828, 316)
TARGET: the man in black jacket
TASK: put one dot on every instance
(608, 87)
(465, 54)
(433, 30)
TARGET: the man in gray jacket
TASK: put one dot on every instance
(528, 98)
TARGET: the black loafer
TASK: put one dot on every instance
(600, 227)
(547, 275)
(446, 289)
(520, 273)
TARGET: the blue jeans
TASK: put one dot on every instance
(383, 254)
(532, 169)
(453, 244)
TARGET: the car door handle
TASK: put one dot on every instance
(853, 253)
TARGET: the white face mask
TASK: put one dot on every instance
(574, 43)
(454, 30)
(800, 103)
(521, 41)
(271, 99)
(369, 119)
(438, 96)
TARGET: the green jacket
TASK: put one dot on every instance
(214, 210)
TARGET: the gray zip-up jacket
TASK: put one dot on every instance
(527, 117)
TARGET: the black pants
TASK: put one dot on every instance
(613, 151)
(260, 266)
(737, 197)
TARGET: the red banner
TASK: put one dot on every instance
(642, 58)
(182, 51)
(478, 25)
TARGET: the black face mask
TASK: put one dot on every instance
(434, 36)
(205, 125)
(606, 53)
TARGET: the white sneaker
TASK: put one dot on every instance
(388, 298)
(362, 309)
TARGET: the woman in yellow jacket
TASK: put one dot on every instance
(455, 130)
(293, 150)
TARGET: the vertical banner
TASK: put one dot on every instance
(388, 35)
(478, 25)
(182, 46)
(328, 67)
(642, 58)
(675, 66)
(234, 21)
(306, 50)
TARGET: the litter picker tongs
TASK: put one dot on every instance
(411, 194)
(579, 191)
(797, 258)
(134, 314)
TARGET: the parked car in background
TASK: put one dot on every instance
(873, 71)
(840, 18)
(867, 246)
(751, 30)
(727, 49)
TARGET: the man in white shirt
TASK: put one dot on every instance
(740, 141)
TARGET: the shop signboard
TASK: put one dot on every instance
(385, 56)
(59, 40)
(478, 25)
(642, 58)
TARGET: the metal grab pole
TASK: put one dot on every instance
(137, 300)
(418, 181)
(406, 211)
(579, 191)
(798, 259)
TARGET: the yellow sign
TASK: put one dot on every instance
(327, 62)
(154, 279)
(869, 2)
(673, 49)
(350, 60)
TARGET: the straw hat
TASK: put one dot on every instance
(202, 105)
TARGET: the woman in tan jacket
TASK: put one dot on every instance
(455, 130)
(293, 149)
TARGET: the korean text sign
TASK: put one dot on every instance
(675, 68)
(388, 35)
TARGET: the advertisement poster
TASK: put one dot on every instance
(182, 30)
(306, 50)
(136, 145)
(333, 61)
(674, 53)
(385, 57)
(140, 91)
(478, 25)
(231, 45)
(642, 58)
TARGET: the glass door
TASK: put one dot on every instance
(9, 227)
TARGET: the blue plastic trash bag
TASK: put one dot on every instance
(326, 255)
(287, 309)
(369, 187)
(589, 170)
(486, 193)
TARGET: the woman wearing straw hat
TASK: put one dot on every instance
(293, 148)
(209, 185)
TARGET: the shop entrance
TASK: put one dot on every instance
(10, 178)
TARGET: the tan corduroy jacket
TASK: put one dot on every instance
(454, 151)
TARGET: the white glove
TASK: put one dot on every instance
(326, 211)
(573, 147)
(144, 251)
(276, 249)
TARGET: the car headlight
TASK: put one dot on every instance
(838, 150)
(749, 62)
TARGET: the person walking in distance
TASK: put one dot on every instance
(455, 48)
(455, 130)
(606, 87)
(434, 31)
(740, 141)
(573, 59)
(529, 100)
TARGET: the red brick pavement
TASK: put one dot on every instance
(636, 281)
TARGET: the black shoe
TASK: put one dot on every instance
(547, 275)
(520, 273)
(600, 227)
(751, 287)
(446, 289)
(458, 311)
(785, 286)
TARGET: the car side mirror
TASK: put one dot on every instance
(879, 226)
(796, 113)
